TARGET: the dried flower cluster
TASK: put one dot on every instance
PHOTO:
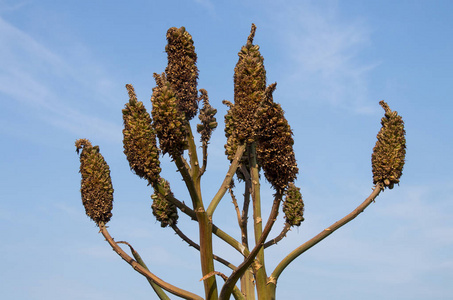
(249, 86)
(96, 185)
(164, 211)
(390, 150)
(275, 143)
(293, 206)
(139, 139)
(207, 118)
(169, 121)
(182, 71)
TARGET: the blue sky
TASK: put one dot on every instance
(63, 67)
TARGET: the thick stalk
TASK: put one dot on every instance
(259, 265)
(140, 269)
(230, 283)
(318, 238)
(204, 223)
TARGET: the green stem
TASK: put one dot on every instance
(140, 269)
(159, 291)
(259, 264)
(226, 182)
(229, 285)
(318, 238)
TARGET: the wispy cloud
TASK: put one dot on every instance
(46, 83)
(324, 51)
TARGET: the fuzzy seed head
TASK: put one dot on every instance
(182, 71)
(293, 206)
(139, 139)
(390, 150)
(96, 185)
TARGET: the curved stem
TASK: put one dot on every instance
(320, 236)
(278, 238)
(226, 182)
(196, 246)
(137, 267)
(159, 291)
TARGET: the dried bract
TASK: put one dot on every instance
(293, 206)
(169, 122)
(96, 185)
(164, 211)
(275, 143)
(390, 150)
(182, 71)
(139, 139)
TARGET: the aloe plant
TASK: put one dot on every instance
(258, 140)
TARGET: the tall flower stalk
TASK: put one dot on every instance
(259, 146)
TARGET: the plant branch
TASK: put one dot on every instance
(140, 269)
(323, 234)
(226, 182)
(205, 158)
(229, 285)
(196, 246)
(160, 293)
(278, 238)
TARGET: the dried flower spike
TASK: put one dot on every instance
(207, 118)
(169, 122)
(139, 139)
(389, 153)
(182, 71)
(96, 185)
(275, 143)
(249, 86)
(293, 206)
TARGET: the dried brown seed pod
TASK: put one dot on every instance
(164, 211)
(169, 122)
(275, 143)
(96, 185)
(390, 150)
(293, 206)
(139, 139)
(182, 71)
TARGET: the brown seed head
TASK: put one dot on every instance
(293, 206)
(182, 71)
(96, 185)
(169, 122)
(249, 86)
(207, 118)
(139, 139)
(389, 153)
(164, 211)
(275, 143)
